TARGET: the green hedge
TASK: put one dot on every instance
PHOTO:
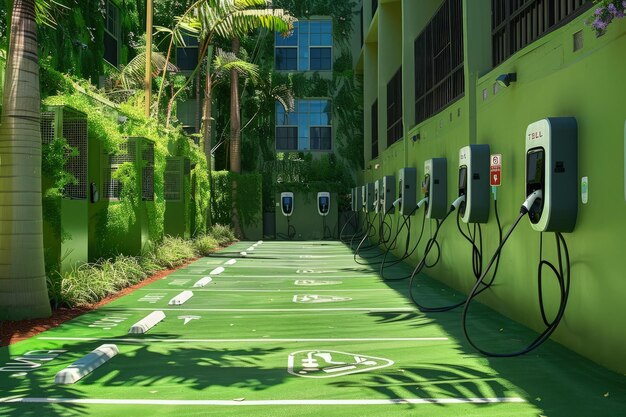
(249, 198)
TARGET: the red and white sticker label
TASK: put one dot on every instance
(495, 170)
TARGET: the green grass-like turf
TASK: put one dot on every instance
(246, 325)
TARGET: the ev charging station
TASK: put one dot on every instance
(387, 194)
(474, 183)
(357, 200)
(323, 203)
(368, 197)
(286, 203)
(551, 156)
(552, 169)
(407, 190)
(377, 193)
(435, 187)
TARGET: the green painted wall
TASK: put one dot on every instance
(552, 81)
(308, 224)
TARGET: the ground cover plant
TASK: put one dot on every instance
(91, 282)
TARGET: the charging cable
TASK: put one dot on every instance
(432, 242)
(562, 273)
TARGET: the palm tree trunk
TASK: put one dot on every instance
(235, 140)
(23, 292)
(235, 116)
(207, 123)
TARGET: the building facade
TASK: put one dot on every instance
(431, 70)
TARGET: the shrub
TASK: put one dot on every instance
(222, 234)
(205, 245)
(173, 252)
(89, 283)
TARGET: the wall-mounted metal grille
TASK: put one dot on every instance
(394, 108)
(147, 172)
(439, 77)
(112, 186)
(173, 179)
(74, 130)
(375, 129)
(517, 23)
(47, 127)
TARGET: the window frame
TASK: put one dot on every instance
(309, 47)
(117, 27)
(439, 67)
(504, 34)
(394, 88)
(309, 126)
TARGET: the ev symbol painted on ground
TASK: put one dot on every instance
(331, 364)
(314, 299)
(314, 271)
(313, 282)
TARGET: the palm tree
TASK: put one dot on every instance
(227, 19)
(23, 292)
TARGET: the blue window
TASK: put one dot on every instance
(309, 48)
(307, 128)
(287, 59)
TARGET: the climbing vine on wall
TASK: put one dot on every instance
(248, 197)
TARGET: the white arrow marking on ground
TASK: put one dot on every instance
(188, 318)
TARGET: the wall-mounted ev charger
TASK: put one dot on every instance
(474, 183)
(367, 195)
(388, 194)
(323, 203)
(435, 187)
(357, 200)
(286, 203)
(377, 193)
(407, 190)
(552, 170)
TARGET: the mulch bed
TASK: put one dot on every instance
(15, 331)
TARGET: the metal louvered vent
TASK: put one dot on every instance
(173, 179)
(75, 132)
(113, 187)
(147, 173)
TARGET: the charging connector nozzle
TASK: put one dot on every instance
(422, 202)
(530, 201)
(455, 205)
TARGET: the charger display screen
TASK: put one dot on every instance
(463, 179)
(535, 166)
(426, 185)
(324, 203)
(287, 204)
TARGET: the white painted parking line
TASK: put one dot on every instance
(275, 291)
(260, 340)
(275, 310)
(274, 276)
(388, 401)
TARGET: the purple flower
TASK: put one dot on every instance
(599, 10)
(624, 4)
(599, 24)
(612, 9)
(619, 14)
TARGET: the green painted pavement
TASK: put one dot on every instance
(242, 346)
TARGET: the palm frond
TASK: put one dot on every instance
(241, 22)
(132, 75)
(224, 62)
